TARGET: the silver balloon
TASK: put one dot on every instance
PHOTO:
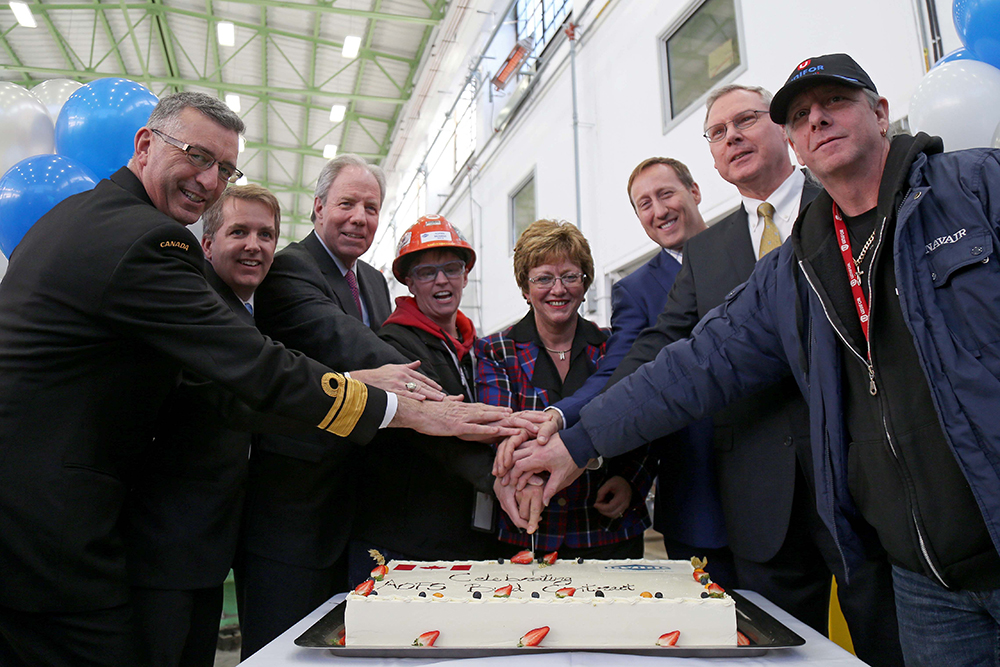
(53, 94)
(960, 102)
(27, 128)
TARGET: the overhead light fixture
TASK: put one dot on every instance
(513, 63)
(226, 32)
(233, 101)
(352, 45)
(329, 151)
(23, 14)
(337, 112)
(243, 144)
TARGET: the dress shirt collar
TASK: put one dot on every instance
(336, 260)
(785, 200)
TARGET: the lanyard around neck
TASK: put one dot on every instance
(860, 302)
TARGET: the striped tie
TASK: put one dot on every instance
(770, 239)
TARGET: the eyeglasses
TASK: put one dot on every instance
(744, 121)
(424, 273)
(201, 159)
(567, 279)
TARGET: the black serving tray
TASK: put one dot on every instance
(763, 630)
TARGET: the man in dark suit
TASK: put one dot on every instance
(320, 299)
(762, 450)
(104, 302)
(182, 515)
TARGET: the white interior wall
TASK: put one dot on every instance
(619, 92)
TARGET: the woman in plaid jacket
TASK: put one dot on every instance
(546, 357)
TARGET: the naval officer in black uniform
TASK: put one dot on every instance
(104, 302)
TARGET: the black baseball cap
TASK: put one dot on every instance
(831, 68)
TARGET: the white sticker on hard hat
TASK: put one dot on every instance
(428, 237)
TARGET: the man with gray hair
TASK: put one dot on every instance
(322, 300)
(780, 546)
(104, 303)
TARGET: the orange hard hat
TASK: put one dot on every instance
(430, 231)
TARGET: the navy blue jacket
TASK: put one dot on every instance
(780, 322)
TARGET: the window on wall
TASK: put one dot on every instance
(522, 208)
(702, 50)
(540, 20)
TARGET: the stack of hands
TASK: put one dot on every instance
(532, 464)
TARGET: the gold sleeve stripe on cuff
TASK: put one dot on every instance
(350, 398)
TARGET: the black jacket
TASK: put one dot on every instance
(417, 493)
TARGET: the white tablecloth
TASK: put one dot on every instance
(817, 650)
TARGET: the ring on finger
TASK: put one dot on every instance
(410, 386)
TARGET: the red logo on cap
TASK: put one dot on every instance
(804, 64)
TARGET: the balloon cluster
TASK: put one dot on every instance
(959, 99)
(60, 138)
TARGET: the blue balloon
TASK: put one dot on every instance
(960, 53)
(978, 25)
(97, 124)
(31, 188)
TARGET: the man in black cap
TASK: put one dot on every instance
(884, 305)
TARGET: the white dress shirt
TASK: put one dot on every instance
(785, 201)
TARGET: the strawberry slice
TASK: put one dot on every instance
(669, 639)
(716, 588)
(427, 639)
(523, 558)
(533, 637)
(341, 638)
(565, 592)
(741, 639)
(365, 587)
(503, 592)
(550, 559)
(379, 572)
(700, 576)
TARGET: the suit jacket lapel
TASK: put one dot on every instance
(227, 295)
(334, 278)
(373, 293)
(665, 268)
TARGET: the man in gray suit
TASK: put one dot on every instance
(322, 300)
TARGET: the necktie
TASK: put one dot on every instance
(249, 307)
(770, 239)
(352, 282)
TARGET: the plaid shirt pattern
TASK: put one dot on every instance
(504, 368)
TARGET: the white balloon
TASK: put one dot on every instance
(27, 128)
(53, 94)
(996, 137)
(958, 101)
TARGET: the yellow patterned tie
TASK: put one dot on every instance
(770, 239)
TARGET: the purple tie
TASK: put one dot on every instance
(352, 282)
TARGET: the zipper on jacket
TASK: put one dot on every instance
(872, 390)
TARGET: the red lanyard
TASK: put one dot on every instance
(845, 249)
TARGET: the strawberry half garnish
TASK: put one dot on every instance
(716, 588)
(503, 592)
(341, 638)
(427, 639)
(379, 572)
(365, 587)
(669, 639)
(523, 558)
(700, 576)
(565, 592)
(741, 639)
(534, 637)
(550, 559)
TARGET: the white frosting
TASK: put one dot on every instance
(396, 614)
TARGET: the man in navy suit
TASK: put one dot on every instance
(665, 198)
